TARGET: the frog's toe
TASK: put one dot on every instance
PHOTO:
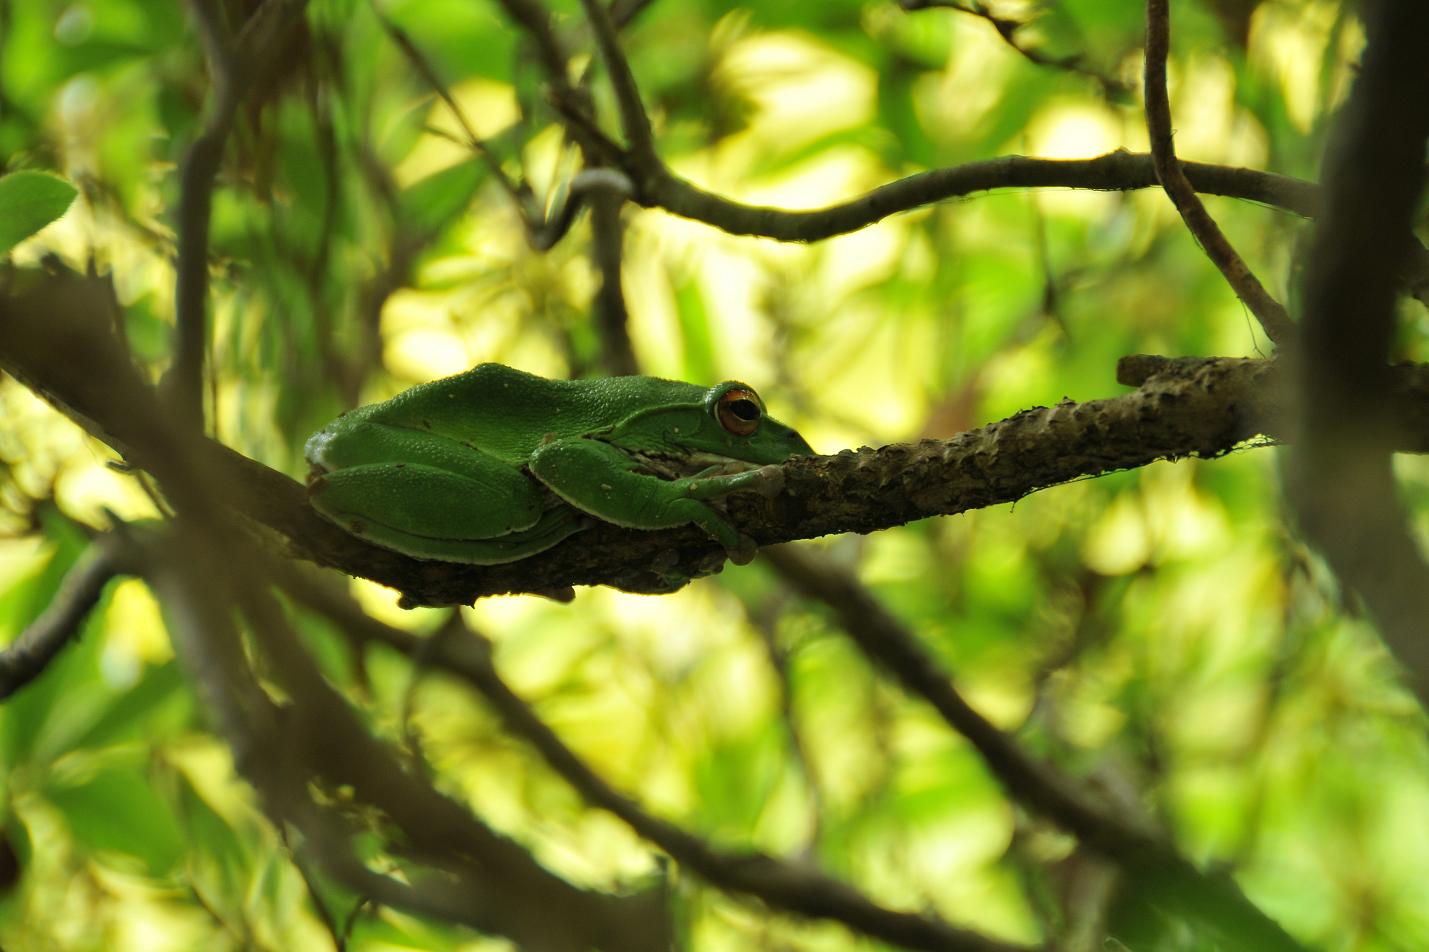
(742, 553)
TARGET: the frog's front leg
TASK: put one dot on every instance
(606, 482)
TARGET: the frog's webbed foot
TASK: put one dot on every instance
(768, 481)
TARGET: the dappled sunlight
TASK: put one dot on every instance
(1072, 130)
(802, 88)
(1292, 42)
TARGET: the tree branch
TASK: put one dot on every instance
(633, 120)
(612, 317)
(1008, 28)
(518, 894)
(1272, 316)
(782, 885)
(516, 190)
(196, 181)
(232, 67)
(1118, 171)
(1341, 484)
(52, 339)
(467, 874)
(1131, 845)
(29, 654)
(656, 186)
(605, 189)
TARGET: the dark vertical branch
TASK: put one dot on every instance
(1341, 483)
(197, 173)
(607, 230)
(605, 190)
(612, 318)
(232, 65)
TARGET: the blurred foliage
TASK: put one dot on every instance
(1158, 633)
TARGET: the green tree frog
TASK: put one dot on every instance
(495, 464)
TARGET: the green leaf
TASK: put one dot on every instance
(432, 203)
(218, 853)
(28, 202)
(131, 714)
(118, 811)
(695, 329)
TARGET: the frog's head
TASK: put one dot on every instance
(738, 427)
(728, 421)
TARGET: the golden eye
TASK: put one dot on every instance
(739, 410)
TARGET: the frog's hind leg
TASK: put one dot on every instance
(510, 548)
(432, 513)
(430, 501)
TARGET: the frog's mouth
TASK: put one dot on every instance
(679, 466)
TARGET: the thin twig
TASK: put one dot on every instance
(584, 187)
(633, 119)
(519, 192)
(1008, 28)
(196, 183)
(61, 621)
(608, 189)
(572, 101)
(1268, 311)
(535, 19)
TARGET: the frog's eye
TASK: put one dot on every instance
(739, 410)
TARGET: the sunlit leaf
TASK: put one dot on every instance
(28, 202)
(434, 201)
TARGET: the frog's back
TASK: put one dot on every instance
(509, 412)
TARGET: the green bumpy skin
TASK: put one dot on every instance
(495, 464)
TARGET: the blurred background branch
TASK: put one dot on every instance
(1341, 482)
